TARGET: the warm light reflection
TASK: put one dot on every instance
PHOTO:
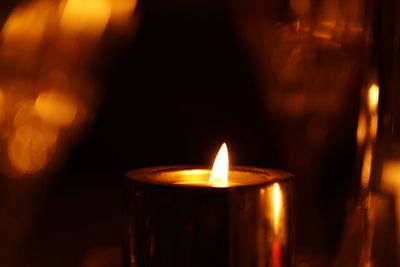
(56, 108)
(366, 167)
(366, 132)
(195, 172)
(373, 98)
(30, 148)
(391, 176)
(373, 126)
(35, 128)
(391, 183)
(25, 114)
(329, 23)
(25, 26)
(88, 17)
(277, 204)
(122, 10)
(362, 128)
(2, 102)
(40, 108)
(220, 169)
(322, 35)
(301, 7)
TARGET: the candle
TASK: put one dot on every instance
(193, 216)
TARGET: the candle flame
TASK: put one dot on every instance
(277, 204)
(220, 169)
(373, 98)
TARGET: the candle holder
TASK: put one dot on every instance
(174, 217)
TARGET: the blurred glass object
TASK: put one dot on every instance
(387, 155)
(48, 95)
(312, 59)
(368, 125)
(377, 226)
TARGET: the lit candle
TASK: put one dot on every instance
(192, 216)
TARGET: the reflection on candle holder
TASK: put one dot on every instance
(174, 222)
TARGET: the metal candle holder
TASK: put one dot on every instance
(175, 218)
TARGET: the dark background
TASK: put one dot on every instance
(171, 96)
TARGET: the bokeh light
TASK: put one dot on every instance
(41, 107)
(86, 17)
(25, 27)
(362, 128)
(56, 108)
(2, 104)
(301, 7)
(366, 167)
(25, 113)
(373, 98)
(122, 11)
(31, 147)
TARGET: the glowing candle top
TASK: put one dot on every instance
(221, 176)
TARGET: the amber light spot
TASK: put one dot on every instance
(122, 10)
(88, 17)
(366, 167)
(277, 205)
(373, 127)
(56, 108)
(25, 26)
(301, 7)
(2, 103)
(220, 169)
(373, 98)
(30, 148)
(362, 129)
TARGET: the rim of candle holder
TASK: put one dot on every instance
(266, 176)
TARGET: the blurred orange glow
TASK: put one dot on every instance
(277, 204)
(322, 35)
(330, 24)
(2, 102)
(30, 148)
(362, 129)
(373, 127)
(391, 176)
(25, 26)
(366, 167)
(373, 98)
(301, 7)
(122, 10)
(56, 108)
(356, 28)
(25, 114)
(391, 182)
(87, 17)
